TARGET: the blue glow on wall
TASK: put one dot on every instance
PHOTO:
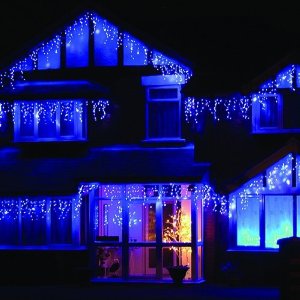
(27, 64)
(279, 176)
(284, 78)
(77, 45)
(135, 52)
(106, 46)
(49, 55)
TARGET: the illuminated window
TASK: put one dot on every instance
(248, 220)
(266, 208)
(154, 217)
(49, 120)
(38, 221)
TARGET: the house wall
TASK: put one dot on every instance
(43, 266)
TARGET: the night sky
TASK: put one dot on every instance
(227, 45)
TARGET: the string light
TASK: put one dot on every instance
(278, 179)
(40, 56)
(148, 193)
(239, 105)
(46, 110)
(37, 209)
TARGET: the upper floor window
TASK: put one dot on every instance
(163, 108)
(49, 120)
(276, 113)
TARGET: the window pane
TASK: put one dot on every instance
(248, 221)
(142, 219)
(176, 221)
(199, 219)
(279, 219)
(163, 119)
(142, 261)
(26, 119)
(61, 221)
(33, 222)
(173, 257)
(200, 259)
(269, 112)
(67, 116)
(291, 108)
(109, 220)
(109, 262)
(47, 119)
(298, 215)
(9, 222)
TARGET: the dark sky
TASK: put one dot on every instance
(228, 45)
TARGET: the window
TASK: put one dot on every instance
(39, 221)
(157, 221)
(266, 208)
(268, 216)
(163, 108)
(277, 111)
(49, 120)
(266, 113)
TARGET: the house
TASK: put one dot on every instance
(111, 171)
(95, 160)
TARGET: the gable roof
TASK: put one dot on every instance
(163, 59)
(293, 146)
(291, 58)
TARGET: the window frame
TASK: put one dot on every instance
(233, 230)
(162, 82)
(195, 244)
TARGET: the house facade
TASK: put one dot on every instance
(98, 177)
(111, 172)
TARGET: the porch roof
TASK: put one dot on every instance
(59, 169)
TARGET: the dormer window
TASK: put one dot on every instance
(163, 109)
(276, 113)
(266, 115)
(49, 120)
(275, 109)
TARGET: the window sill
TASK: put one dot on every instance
(252, 249)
